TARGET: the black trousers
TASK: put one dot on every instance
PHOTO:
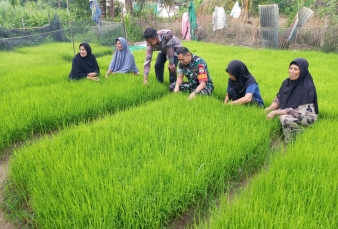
(159, 68)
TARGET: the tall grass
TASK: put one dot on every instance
(140, 167)
(299, 190)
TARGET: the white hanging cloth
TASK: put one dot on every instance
(236, 10)
(219, 18)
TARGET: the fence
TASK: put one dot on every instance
(103, 34)
(324, 38)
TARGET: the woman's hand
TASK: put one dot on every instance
(268, 109)
(271, 114)
(272, 107)
(226, 100)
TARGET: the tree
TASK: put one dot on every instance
(129, 6)
(112, 9)
(14, 3)
(103, 5)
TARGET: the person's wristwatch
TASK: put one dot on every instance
(196, 91)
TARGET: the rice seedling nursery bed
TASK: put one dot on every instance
(40, 99)
(139, 167)
(299, 190)
(158, 154)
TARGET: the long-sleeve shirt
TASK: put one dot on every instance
(168, 44)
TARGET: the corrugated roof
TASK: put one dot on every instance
(302, 16)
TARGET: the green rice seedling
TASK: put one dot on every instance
(297, 191)
(35, 79)
(149, 170)
(139, 168)
(37, 97)
(268, 66)
(38, 66)
(41, 109)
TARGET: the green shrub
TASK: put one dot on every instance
(331, 40)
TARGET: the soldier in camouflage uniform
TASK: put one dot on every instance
(197, 73)
(296, 101)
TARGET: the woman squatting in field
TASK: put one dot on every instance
(242, 86)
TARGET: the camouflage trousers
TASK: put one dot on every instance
(187, 87)
(296, 122)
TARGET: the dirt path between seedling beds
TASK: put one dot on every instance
(4, 224)
(187, 218)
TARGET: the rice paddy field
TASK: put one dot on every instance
(120, 154)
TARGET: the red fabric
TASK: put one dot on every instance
(202, 74)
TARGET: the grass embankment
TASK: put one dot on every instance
(298, 190)
(36, 96)
(138, 168)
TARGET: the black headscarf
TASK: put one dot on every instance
(81, 66)
(243, 77)
(294, 93)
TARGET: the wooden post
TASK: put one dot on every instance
(23, 23)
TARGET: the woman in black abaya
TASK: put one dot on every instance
(296, 102)
(84, 64)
